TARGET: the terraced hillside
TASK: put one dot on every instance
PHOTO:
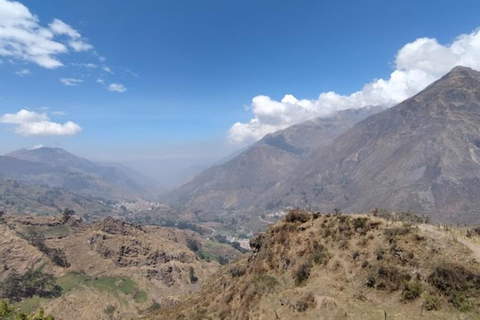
(110, 269)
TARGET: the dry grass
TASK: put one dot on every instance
(342, 267)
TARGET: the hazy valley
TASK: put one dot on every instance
(226, 160)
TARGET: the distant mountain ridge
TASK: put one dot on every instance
(236, 183)
(56, 167)
(421, 155)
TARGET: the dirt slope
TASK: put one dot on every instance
(344, 267)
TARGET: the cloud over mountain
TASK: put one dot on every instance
(31, 123)
(417, 64)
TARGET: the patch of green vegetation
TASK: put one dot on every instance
(140, 297)
(104, 284)
(72, 280)
(117, 286)
(55, 231)
(30, 305)
(127, 286)
(8, 311)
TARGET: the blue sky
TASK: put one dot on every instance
(191, 68)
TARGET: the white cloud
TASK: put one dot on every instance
(23, 116)
(23, 72)
(71, 81)
(31, 123)
(418, 64)
(101, 81)
(85, 65)
(61, 28)
(23, 38)
(107, 69)
(117, 87)
(38, 146)
(80, 45)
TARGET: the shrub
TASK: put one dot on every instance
(222, 260)
(237, 271)
(457, 284)
(360, 223)
(17, 287)
(307, 301)
(392, 277)
(192, 245)
(191, 273)
(371, 280)
(431, 302)
(298, 216)
(110, 309)
(412, 290)
(321, 257)
(302, 273)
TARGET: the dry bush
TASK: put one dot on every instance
(302, 273)
(431, 302)
(238, 271)
(298, 216)
(391, 278)
(412, 290)
(457, 284)
(307, 301)
(405, 216)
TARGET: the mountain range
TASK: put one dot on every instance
(422, 155)
(237, 183)
(55, 167)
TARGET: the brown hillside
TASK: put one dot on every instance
(345, 267)
(115, 269)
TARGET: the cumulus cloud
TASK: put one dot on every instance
(117, 87)
(31, 123)
(417, 65)
(23, 38)
(70, 81)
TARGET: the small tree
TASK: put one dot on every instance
(192, 245)
(67, 214)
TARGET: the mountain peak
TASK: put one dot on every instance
(460, 88)
(462, 69)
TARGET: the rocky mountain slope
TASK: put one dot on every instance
(56, 167)
(17, 197)
(109, 269)
(334, 266)
(422, 155)
(237, 183)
